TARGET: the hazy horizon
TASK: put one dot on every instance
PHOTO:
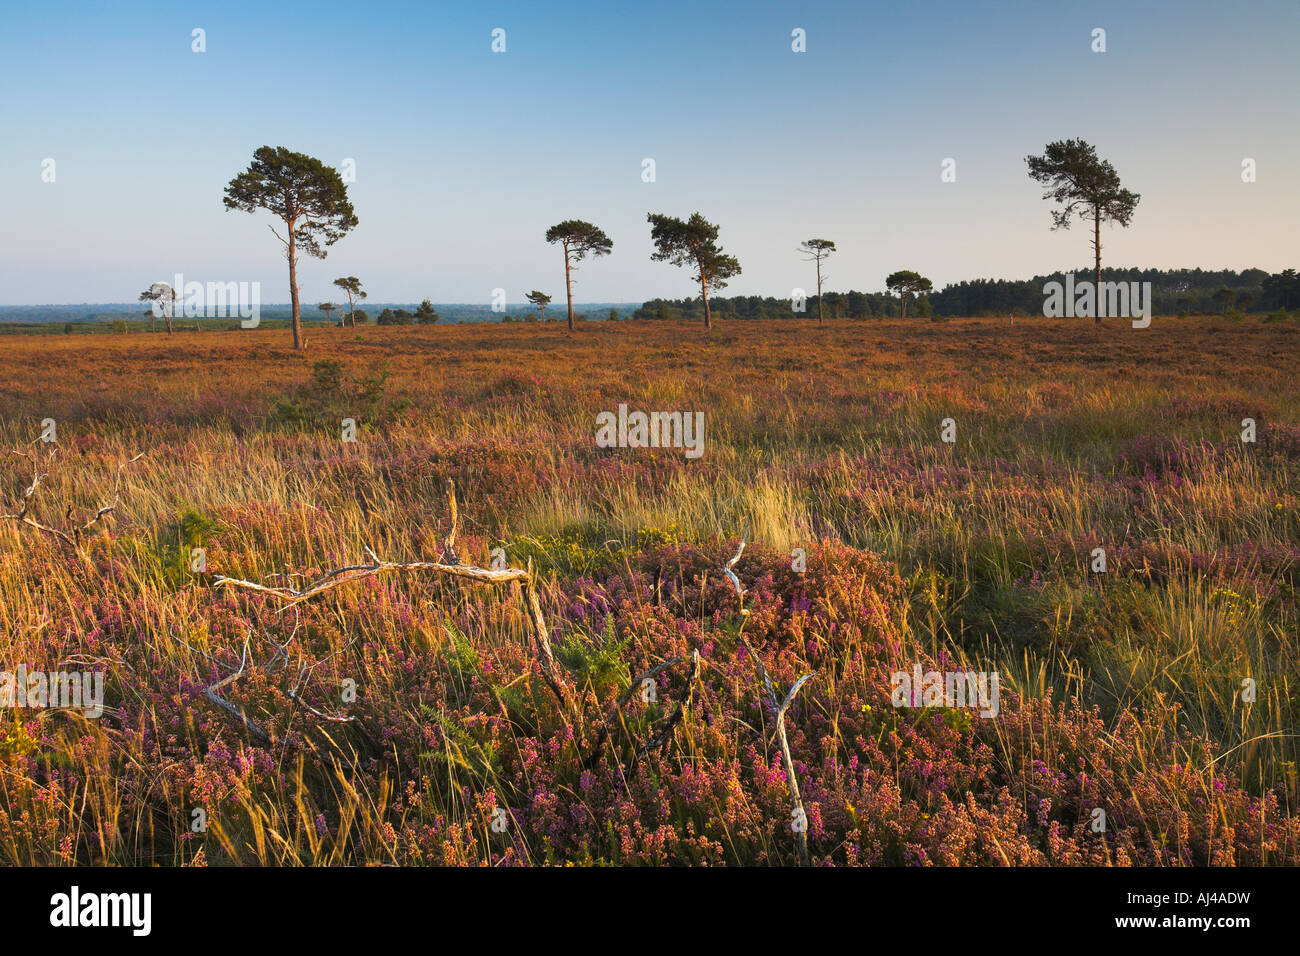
(370, 305)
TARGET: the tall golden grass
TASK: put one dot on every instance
(1069, 437)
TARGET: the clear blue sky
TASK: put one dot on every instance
(464, 157)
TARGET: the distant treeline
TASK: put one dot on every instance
(852, 305)
(1195, 291)
(135, 311)
(1172, 291)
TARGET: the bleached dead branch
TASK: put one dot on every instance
(70, 537)
(799, 823)
(354, 572)
(449, 555)
(282, 657)
(638, 681)
(665, 733)
(450, 566)
(210, 692)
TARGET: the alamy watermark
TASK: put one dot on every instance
(1086, 300)
(79, 690)
(653, 430)
(230, 300)
(946, 689)
(76, 909)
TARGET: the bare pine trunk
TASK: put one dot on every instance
(293, 289)
(819, 292)
(1096, 248)
(568, 285)
(704, 291)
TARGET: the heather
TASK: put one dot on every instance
(1120, 691)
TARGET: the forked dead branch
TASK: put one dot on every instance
(71, 533)
(211, 693)
(615, 712)
(799, 824)
(254, 729)
(448, 564)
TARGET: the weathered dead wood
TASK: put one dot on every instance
(603, 734)
(304, 674)
(799, 824)
(449, 555)
(542, 637)
(354, 572)
(665, 733)
(210, 692)
(73, 537)
(294, 693)
(449, 565)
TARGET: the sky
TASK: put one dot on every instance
(464, 156)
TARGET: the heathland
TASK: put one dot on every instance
(411, 717)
